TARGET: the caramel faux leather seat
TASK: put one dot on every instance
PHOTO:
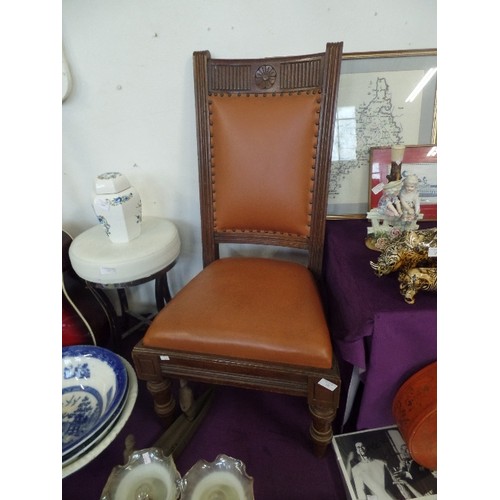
(265, 135)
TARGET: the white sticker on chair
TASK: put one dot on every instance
(329, 385)
(165, 358)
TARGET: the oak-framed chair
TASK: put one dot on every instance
(265, 136)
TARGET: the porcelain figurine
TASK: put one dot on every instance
(410, 199)
(398, 207)
(398, 211)
(390, 204)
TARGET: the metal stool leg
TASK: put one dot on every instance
(106, 304)
(162, 292)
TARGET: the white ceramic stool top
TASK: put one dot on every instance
(97, 259)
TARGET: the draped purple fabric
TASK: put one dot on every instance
(373, 328)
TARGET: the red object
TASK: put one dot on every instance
(72, 332)
(415, 412)
(85, 319)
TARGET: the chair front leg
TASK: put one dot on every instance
(164, 402)
(321, 427)
(323, 400)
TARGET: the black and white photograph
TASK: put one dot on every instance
(376, 465)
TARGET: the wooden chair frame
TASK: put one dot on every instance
(318, 74)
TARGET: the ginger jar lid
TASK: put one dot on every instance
(111, 182)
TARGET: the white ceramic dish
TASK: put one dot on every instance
(94, 384)
(106, 440)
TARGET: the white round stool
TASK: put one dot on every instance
(104, 264)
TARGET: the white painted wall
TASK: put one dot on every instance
(131, 107)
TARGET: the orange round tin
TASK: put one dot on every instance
(415, 411)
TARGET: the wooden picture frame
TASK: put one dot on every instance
(374, 110)
(418, 160)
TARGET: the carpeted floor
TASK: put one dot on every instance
(268, 432)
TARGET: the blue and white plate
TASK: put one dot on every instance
(94, 384)
(93, 440)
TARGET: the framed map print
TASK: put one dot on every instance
(385, 98)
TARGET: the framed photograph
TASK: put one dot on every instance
(375, 463)
(385, 98)
(419, 161)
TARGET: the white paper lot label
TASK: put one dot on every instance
(327, 384)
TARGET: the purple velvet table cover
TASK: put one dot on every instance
(373, 328)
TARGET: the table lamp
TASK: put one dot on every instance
(397, 154)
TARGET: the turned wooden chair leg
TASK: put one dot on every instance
(164, 403)
(321, 428)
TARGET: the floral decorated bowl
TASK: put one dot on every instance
(223, 479)
(148, 475)
(94, 384)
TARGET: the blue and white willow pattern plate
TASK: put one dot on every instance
(94, 383)
(92, 441)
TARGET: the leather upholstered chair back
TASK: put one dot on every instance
(265, 135)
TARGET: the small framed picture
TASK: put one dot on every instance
(376, 464)
(418, 163)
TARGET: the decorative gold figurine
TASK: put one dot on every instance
(414, 255)
(416, 279)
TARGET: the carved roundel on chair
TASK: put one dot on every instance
(265, 77)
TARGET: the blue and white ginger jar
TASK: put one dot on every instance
(118, 207)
